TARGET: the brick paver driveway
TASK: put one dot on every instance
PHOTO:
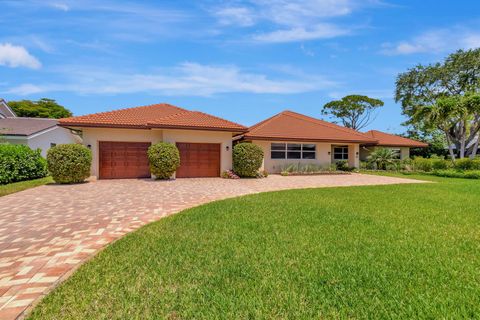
(46, 232)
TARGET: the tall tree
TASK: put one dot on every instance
(354, 111)
(437, 145)
(444, 96)
(43, 108)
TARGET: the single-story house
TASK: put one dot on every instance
(119, 140)
(290, 137)
(400, 145)
(33, 132)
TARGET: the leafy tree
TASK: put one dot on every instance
(354, 111)
(382, 157)
(437, 145)
(43, 108)
(458, 117)
(444, 96)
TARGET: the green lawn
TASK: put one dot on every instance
(23, 185)
(399, 251)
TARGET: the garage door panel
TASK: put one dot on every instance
(120, 160)
(199, 160)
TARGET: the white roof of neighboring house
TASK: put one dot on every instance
(5, 111)
(25, 126)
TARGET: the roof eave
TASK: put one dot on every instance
(252, 137)
(401, 145)
(163, 126)
(147, 127)
(102, 125)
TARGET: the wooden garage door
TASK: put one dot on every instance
(123, 160)
(199, 160)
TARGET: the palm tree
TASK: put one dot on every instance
(382, 157)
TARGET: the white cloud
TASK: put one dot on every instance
(435, 41)
(26, 89)
(60, 6)
(188, 79)
(17, 56)
(240, 16)
(320, 31)
(301, 12)
(290, 20)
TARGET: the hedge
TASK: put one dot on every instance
(247, 159)
(19, 163)
(451, 173)
(69, 163)
(164, 159)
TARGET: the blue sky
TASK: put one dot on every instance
(242, 60)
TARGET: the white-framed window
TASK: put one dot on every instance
(293, 151)
(340, 153)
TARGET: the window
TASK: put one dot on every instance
(340, 153)
(278, 150)
(293, 151)
(308, 151)
(397, 153)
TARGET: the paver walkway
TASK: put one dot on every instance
(46, 232)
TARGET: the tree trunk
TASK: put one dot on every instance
(475, 147)
(462, 140)
(450, 147)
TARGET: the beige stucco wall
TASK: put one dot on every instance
(200, 136)
(324, 156)
(354, 155)
(91, 137)
(365, 152)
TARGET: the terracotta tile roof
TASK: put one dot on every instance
(25, 126)
(154, 116)
(391, 140)
(291, 126)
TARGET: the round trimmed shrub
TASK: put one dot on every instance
(247, 159)
(69, 163)
(164, 159)
(19, 162)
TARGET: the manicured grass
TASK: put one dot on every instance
(399, 251)
(23, 185)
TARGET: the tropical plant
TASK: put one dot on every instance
(354, 111)
(247, 159)
(164, 159)
(382, 157)
(69, 163)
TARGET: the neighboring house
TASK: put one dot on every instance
(5, 111)
(400, 145)
(119, 140)
(35, 132)
(290, 137)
